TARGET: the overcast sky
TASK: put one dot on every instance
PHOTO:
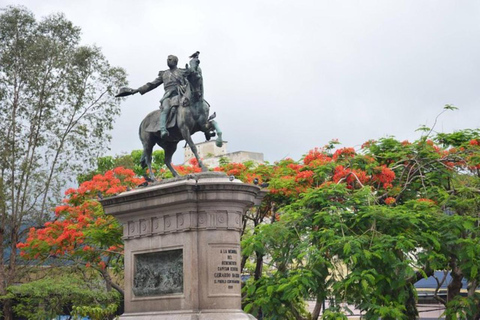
(287, 76)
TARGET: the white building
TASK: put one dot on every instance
(211, 154)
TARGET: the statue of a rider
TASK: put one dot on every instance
(184, 95)
(174, 82)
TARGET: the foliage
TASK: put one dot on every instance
(95, 312)
(362, 226)
(128, 161)
(56, 108)
(50, 297)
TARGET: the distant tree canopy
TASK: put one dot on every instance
(56, 109)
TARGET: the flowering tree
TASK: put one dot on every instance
(362, 226)
(81, 232)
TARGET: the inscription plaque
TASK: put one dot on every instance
(224, 270)
(158, 273)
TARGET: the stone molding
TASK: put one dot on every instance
(225, 314)
(182, 222)
(194, 192)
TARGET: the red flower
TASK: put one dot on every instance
(390, 200)
(305, 176)
(368, 143)
(344, 153)
(193, 162)
(316, 157)
(353, 177)
(429, 201)
(385, 176)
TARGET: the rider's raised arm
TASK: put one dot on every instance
(151, 85)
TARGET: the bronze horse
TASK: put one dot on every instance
(191, 116)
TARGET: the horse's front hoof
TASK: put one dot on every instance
(149, 178)
(219, 143)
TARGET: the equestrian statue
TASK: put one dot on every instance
(183, 112)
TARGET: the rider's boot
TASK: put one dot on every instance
(163, 122)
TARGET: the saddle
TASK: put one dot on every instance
(176, 101)
(154, 121)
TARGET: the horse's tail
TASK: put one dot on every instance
(143, 159)
(140, 130)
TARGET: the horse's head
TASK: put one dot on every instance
(196, 80)
(194, 62)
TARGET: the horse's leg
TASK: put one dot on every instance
(169, 148)
(201, 108)
(188, 138)
(218, 141)
(146, 160)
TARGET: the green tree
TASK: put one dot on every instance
(363, 226)
(56, 108)
(76, 292)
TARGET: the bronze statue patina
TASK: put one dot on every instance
(183, 111)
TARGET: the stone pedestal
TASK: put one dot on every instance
(182, 247)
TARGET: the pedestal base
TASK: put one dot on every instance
(182, 247)
(184, 315)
